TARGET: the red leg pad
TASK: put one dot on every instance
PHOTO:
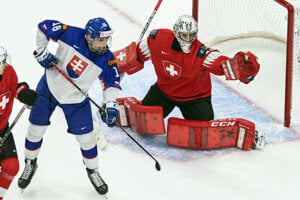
(142, 119)
(9, 169)
(123, 112)
(214, 134)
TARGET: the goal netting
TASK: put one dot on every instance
(272, 23)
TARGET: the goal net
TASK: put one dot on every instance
(274, 24)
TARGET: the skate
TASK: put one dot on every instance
(97, 181)
(29, 170)
(259, 141)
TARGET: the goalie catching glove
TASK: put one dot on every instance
(109, 113)
(243, 66)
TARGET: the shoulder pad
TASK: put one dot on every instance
(202, 51)
(153, 33)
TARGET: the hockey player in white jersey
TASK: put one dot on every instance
(84, 56)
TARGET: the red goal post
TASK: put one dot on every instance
(283, 26)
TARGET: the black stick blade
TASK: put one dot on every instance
(157, 166)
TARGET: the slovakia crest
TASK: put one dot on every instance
(4, 100)
(76, 66)
(172, 69)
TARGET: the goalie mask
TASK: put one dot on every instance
(185, 30)
(98, 35)
(3, 57)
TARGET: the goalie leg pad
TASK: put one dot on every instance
(214, 134)
(142, 119)
(123, 112)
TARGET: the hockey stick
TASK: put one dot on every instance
(157, 165)
(149, 20)
(8, 132)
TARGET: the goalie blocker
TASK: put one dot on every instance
(192, 134)
(127, 59)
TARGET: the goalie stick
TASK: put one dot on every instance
(157, 165)
(128, 54)
(149, 20)
(8, 132)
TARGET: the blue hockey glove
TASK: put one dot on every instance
(44, 57)
(111, 114)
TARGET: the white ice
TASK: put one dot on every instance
(186, 174)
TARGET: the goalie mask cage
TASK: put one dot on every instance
(277, 20)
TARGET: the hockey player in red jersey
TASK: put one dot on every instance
(10, 89)
(183, 66)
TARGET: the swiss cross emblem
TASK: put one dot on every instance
(172, 69)
(121, 56)
(4, 100)
(77, 65)
(126, 54)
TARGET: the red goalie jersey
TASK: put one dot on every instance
(181, 76)
(185, 76)
(8, 89)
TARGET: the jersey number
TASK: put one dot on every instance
(56, 26)
(117, 72)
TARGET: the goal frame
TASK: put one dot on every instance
(289, 54)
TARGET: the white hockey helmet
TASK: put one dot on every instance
(3, 57)
(185, 30)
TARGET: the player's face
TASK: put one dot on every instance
(188, 37)
(99, 43)
(3, 64)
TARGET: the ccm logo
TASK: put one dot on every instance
(222, 124)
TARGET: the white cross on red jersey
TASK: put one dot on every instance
(172, 69)
(4, 99)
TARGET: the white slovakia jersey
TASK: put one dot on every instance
(76, 61)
